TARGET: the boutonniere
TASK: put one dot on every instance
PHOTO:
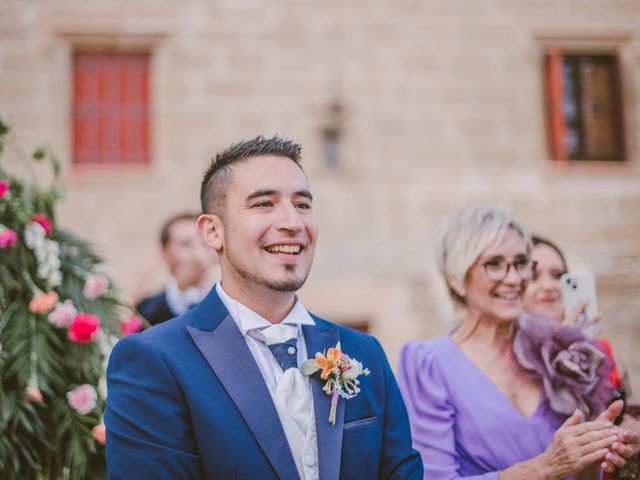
(340, 373)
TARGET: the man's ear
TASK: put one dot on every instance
(211, 230)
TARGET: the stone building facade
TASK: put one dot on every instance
(407, 110)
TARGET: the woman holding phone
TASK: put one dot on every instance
(544, 296)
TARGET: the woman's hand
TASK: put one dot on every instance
(571, 318)
(577, 445)
(632, 423)
(622, 448)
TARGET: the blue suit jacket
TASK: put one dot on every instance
(155, 309)
(187, 400)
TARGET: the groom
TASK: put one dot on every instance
(217, 393)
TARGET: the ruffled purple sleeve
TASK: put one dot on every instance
(431, 412)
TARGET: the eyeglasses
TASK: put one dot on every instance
(498, 269)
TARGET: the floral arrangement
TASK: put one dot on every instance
(58, 321)
(340, 373)
(573, 371)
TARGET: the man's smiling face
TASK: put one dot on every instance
(269, 231)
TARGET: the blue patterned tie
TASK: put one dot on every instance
(286, 353)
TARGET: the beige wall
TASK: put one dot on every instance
(443, 108)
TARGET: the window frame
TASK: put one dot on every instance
(146, 119)
(555, 122)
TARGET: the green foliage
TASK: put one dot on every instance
(47, 439)
(39, 154)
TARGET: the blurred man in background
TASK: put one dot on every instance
(190, 265)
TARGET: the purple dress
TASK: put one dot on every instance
(462, 425)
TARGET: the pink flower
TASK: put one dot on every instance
(84, 328)
(99, 433)
(43, 303)
(33, 394)
(44, 222)
(4, 188)
(95, 286)
(130, 325)
(63, 314)
(7, 237)
(82, 399)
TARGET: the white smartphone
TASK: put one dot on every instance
(576, 288)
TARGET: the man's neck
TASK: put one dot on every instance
(270, 304)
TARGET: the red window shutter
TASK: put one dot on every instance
(556, 120)
(111, 108)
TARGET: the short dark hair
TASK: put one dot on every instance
(165, 231)
(538, 240)
(215, 182)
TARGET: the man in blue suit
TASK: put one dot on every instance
(214, 393)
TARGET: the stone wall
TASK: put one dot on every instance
(442, 107)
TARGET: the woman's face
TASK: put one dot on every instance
(543, 294)
(487, 294)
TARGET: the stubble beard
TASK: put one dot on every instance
(286, 285)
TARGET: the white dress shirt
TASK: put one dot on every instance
(180, 301)
(304, 450)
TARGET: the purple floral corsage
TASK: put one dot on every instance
(574, 373)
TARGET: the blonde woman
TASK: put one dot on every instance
(475, 411)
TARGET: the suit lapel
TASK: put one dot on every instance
(318, 339)
(219, 340)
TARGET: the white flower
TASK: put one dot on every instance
(34, 236)
(54, 249)
(55, 278)
(356, 369)
(47, 253)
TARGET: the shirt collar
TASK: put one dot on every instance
(246, 319)
(179, 301)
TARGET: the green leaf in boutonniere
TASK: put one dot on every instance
(309, 367)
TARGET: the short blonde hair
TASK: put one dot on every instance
(466, 234)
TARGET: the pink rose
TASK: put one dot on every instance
(63, 314)
(84, 328)
(7, 237)
(43, 303)
(99, 433)
(82, 399)
(44, 222)
(95, 286)
(33, 394)
(4, 188)
(130, 325)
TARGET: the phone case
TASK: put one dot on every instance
(578, 287)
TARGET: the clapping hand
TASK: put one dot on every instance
(577, 444)
(620, 449)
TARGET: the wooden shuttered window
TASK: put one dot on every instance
(111, 108)
(584, 108)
